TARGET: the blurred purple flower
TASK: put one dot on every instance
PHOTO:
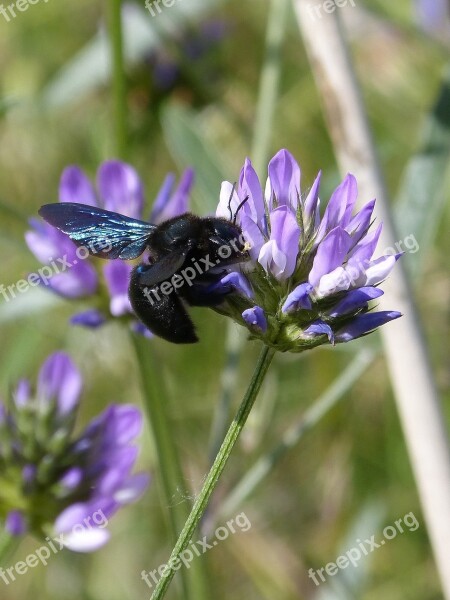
(433, 16)
(167, 67)
(119, 190)
(315, 276)
(83, 480)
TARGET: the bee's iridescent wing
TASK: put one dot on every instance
(103, 233)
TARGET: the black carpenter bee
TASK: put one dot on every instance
(187, 256)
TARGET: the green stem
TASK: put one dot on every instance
(292, 436)
(118, 77)
(194, 582)
(216, 471)
(267, 99)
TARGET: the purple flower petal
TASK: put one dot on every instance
(355, 299)
(124, 459)
(120, 188)
(256, 318)
(337, 281)
(168, 206)
(60, 380)
(80, 281)
(74, 186)
(331, 253)
(117, 277)
(432, 15)
(73, 515)
(363, 251)
(236, 281)
(252, 234)
(311, 204)
(249, 186)
(320, 328)
(364, 324)
(15, 523)
(141, 329)
(339, 209)
(273, 259)
(91, 318)
(284, 176)
(298, 299)
(360, 223)
(124, 423)
(47, 243)
(132, 489)
(162, 198)
(66, 274)
(279, 255)
(71, 479)
(23, 393)
(86, 540)
(379, 269)
(29, 474)
(226, 207)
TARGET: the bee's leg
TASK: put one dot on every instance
(164, 314)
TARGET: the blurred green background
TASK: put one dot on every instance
(348, 477)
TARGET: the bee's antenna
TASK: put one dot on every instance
(239, 208)
(229, 201)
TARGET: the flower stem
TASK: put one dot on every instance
(118, 77)
(216, 471)
(194, 582)
(292, 436)
(269, 87)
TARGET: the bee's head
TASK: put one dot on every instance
(227, 242)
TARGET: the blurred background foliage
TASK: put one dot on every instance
(192, 77)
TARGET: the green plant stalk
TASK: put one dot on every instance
(292, 436)
(118, 78)
(265, 110)
(216, 471)
(194, 581)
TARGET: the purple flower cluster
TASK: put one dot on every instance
(53, 484)
(311, 277)
(119, 190)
